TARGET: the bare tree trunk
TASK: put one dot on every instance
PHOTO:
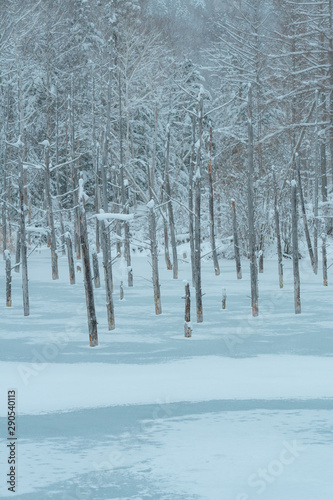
(166, 245)
(187, 325)
(152, 226)
(197, 243)
(190, 207)
(170, 209)
(252, 246)
(297, 286)
(18, 251)
(24, 257)
(166, 235)
(97, 208)
(4, 208)
(236, 242)
(74, 174)
(261, 253)
(323, 165)
(127, 246)
(197, 223)
(8, 279)
(154, 258)
(58, 190)
(88, 286)
(106, 244)
(107, 275)
(316, 193)
(278, 234)
(70, 257)
(324, 253)
(305, 221)
(97, 280)
(54, 256)
(5, 181)
(123, 190)
(211, 207)
(4, 228)
(62, 227)
(95, 158)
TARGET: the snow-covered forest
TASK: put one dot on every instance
(166, 180)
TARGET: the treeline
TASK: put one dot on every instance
(94, 90)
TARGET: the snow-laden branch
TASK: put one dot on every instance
(113, 216)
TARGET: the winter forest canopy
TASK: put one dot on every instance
(142, 124)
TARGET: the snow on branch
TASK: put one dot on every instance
(107, 216)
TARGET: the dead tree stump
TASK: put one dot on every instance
(224, 298)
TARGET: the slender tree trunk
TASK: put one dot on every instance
(236, 242)
(95, 165)
(24, 256)
(197, 243)
(127, 246)
(88, 285)
(22, 149)
(152, 225)
(305, 221)
(316, 192)
(106, 243)
(9, 195)
(70, 258)
(297, 286)
(252, 245)
(74, 174)
(58, 190)
(97, 209)
(4, 228)
(323, 163)
(330, 74)
(18, 252)
(5, 179)
(278, 234)
(54, 255)
(166, 235)
(324, 254)
(261, 253)
(61, 219)
(190, 207)
(97, 280)
(8, 279)
(197, 222)
(123, 190)
(107, 266)
(187, 325)
(211, 207)
(170, 209)
(154, 258)
(4, 208)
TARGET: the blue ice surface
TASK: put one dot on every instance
(57, 309)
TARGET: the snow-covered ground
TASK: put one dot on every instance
(241, 411)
